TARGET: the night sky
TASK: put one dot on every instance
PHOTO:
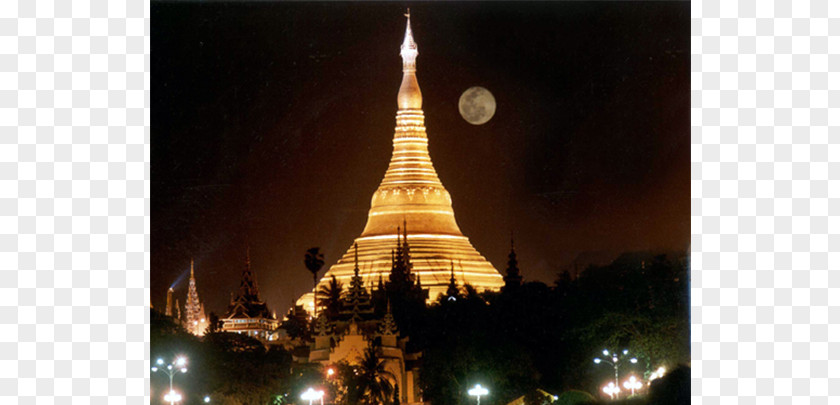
(272, 127)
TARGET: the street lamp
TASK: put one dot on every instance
(312, 395)
(632, 384)
(614, 360)
(612, 390)
(172, 397)
(206, 399)
(171, 369)
(477, 392)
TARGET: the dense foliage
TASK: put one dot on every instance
(232, 369)
(513, 342)
(540, 336)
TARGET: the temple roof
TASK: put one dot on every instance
(247, 304)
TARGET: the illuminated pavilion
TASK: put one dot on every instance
(411, 195)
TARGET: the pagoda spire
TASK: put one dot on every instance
(412, 190)
(512, 277)
(248, 286)
(193, 306)
(452, 289)
(409, 97)
(356, 260)
(357, 300)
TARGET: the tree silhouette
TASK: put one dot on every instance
(314, 260)
(374, 380)
(330, 297)
(214, 324)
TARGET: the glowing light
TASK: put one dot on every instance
(657, 374)
(612, 390)
(181, 361)
(634, 360)
(478, 391)
(172, 397)
(632, 384)
(160, 362)
(312, 395)
(330, 372)
(606, 352)
(597, 361)
(206, 399)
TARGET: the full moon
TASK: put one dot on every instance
(477, 105)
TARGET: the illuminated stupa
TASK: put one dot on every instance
(411, 195)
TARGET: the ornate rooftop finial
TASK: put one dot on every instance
(452, 289)
(192, 274)
(512, 277)
(356, 260)
(409, 97)
(388, 326)
(408, 49)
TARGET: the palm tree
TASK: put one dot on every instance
(373, 379)
(330, 297)
(314, 260)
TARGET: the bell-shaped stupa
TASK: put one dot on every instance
(411, 196)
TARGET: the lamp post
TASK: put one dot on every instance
(312, 395)
(477, 392)
(612, 390)
(180, 364)
(172, 397)
(614, 360)
(632, 384)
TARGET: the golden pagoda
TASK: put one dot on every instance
(412, 196)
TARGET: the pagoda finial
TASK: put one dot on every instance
(408, 49)
(409, 97)
(192, 273)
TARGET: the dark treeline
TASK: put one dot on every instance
(232, 369)
(540, 336)
(526, 337)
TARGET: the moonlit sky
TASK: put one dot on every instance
(272, 127)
